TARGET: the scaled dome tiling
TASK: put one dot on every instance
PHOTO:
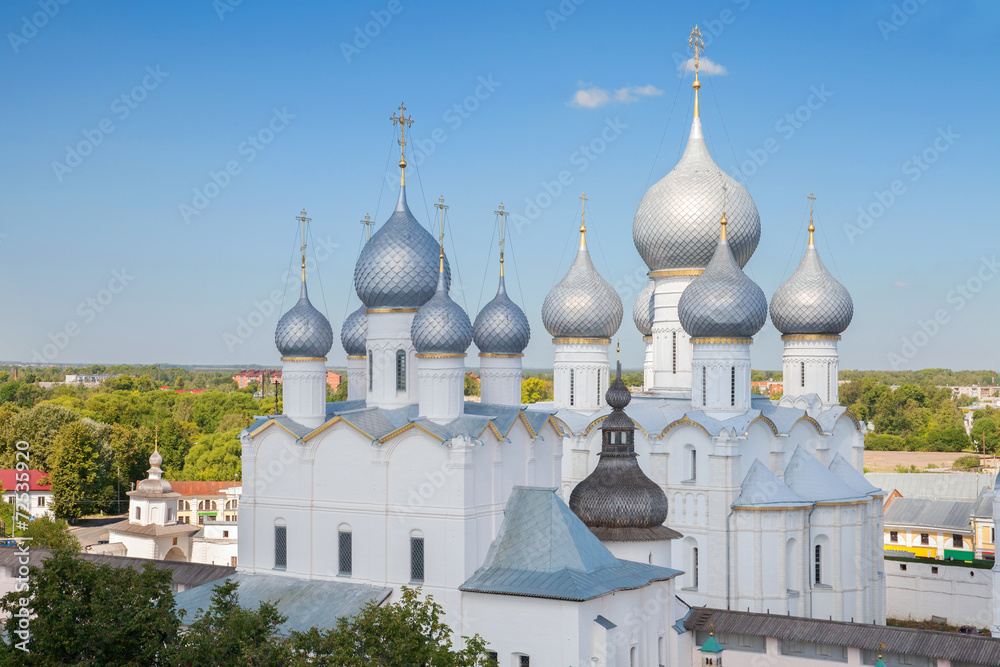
(398, 267)
(441, 326)
(677, 222)
(722, 302)
(812, 301)
(582, 304)
(353, 334)
(501, 326)
(303, 331)
(642, 311)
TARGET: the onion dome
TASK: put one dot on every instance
(398, 267)
(155, 484)
(501, 326)
(582, 304)
(722, 302)
(303, 331)
(354, 333)
(676, 224)
(642, 311)
(811, 301)
(617, 501)
(441, 326)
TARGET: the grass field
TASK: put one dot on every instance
(887, 461)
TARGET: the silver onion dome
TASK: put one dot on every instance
(582, 304)
(303, 331)
(398, 267)
(154, 485)
(441, 326)
(812, 301)
(722, 302)
(676, 224)
(501, 326)
(642, 311)
(354, 333)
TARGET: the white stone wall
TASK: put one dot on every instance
(357, 378)
(671, 344)
(500, 379)
(580, 373)
(389, 332)
(810, 365)
(963, 595)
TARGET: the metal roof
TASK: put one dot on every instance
(307, 603)
(850, 476)
(957, 647)
(936, 485)
(983, 508)
(952, 515)
(544, 550)
(809, 478)
(762, 488)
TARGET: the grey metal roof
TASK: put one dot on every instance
(811, 301)
(501, 326)
(642, 311)
(308, 603)
(398, 266)
(582, 304)
(182, 573)
(850, 476)
(809, 478)
(957, 647)
(983, 507)
(936, 485)
(951, 515)
(677, 222)
(722, 301)
(303, 331)
(544, 550)
(441, 326)
(762, 488)
(354, 333)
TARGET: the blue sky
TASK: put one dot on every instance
(101, 264)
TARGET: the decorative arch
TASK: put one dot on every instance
(684, 421)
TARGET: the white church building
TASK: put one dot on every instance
(587, 530)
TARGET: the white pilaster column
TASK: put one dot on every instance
(500, 378)
(810, 365)
(392, 358)
(721, 376)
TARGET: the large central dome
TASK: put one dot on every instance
(677, 223)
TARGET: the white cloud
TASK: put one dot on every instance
(705, 66)
(593, 97)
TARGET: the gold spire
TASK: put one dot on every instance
(697, 44)
(156, 438)
(368, 223)
(618, 351)
(723, 221)
(503, 214)
(304, 220)
(404, 122)
(583, 222)
(441, 207)
(812, 227)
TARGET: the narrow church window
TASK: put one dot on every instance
(694, 567)
(598, 387)
(694, 464)
(345, 548)
(819, 564)
(138, 513)
(732, 385)
(369, 370)
(525, 661)
(704, 387)
(572, 382)
(828, 366)
(802, 366)
(492, 658)
(416, 559)
(400, 370)
(280, 547)
(675, 353)
(170, 514)
(633, 657)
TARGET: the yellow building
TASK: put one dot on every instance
(206, 501)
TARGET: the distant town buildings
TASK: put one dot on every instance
(87, 380)
(768, 387)
(202, 502)
(39, 491)
(244, 379)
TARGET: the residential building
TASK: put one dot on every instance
(39, 491)
(203, 501)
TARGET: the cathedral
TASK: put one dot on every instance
(585, 530)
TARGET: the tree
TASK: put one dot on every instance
(89, 614)
(39, 427)
(227, 634)
(472, 385)
(75, 467)
(46, 533)
(215, 457)
(408, 632)
(534, 390)
(341, 393)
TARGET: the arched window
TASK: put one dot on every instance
(694, 567)
(792, 576)
(370, 370)
(732, 385)
(417, 557)
(572, 386)
(704, 386)
(280, 546)
(400, 370)
(170, 514)
(694, 464)
(675, 353)
(138, 513)
(818, 565)
(345, 550)
(828, 388)
(633, 657)
(598, 387)
(802, 366)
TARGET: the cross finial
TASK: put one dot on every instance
(441, 207)
(302, 217)
(583, 222)
(724, 222)
(697, 45)
(368, 223)
(156, 438)
(503, 215)
(403, 121)
(812, 227)
(880, 647)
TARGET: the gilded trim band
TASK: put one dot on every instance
(491, 355)
(722, 341)
(303, 358)
(674, 273)
(581, 341)
(442, 355)
(794, 337)
(369, 311)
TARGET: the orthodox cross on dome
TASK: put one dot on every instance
(503, 215)
(697, 45)
(440, 205)
(302, 217)
(812, 227)
(403, 121)
(368, 223)
(723, 221)
(583, 222)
